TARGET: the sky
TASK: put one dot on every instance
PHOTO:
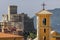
(29, 7)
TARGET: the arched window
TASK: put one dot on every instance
(44, 21)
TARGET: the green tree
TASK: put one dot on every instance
(32, 35)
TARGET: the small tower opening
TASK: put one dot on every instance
(44, 38)
(44, 30)
(44, 21)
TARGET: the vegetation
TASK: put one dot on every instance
(32, 35)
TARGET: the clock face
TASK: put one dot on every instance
(44, 21)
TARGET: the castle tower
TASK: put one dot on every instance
(43, 24)
(12, 9)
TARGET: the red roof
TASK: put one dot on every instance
(4, 35)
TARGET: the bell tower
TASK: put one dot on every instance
(43, 25)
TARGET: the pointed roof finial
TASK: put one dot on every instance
(43, 6)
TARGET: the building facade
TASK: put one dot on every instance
(44, 29)
(44, 25)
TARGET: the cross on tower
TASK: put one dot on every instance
(43, 6)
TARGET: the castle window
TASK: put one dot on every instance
(44, 21)
(44, 30)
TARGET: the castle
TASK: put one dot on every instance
(16, 23)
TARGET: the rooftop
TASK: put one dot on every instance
(44, 12)
(5, 35)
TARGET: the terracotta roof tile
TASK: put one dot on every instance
(3, 35)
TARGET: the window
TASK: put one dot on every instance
(44, 21)
(44, 37)
(44, 30)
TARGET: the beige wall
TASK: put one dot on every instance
(53, 34)
(41, 26)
